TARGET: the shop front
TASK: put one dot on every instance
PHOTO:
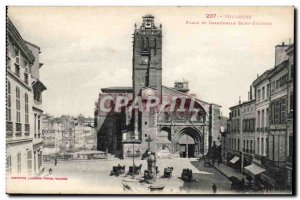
(254, 175)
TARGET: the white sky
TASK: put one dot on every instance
(87, 48)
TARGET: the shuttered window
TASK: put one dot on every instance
(29, 162)
(8, 165)
(19, 163)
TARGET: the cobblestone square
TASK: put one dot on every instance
(96, 174)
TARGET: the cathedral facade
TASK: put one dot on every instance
(127, 122)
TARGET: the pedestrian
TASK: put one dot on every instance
(214, 187)
(55, 162)
(50, 171)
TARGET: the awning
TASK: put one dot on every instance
(234, 160)
(253, 170)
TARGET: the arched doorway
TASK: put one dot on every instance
(189, 142)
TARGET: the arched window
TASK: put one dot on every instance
(26, 109)
(8, 103)
(18, 105)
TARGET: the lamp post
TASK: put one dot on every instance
(187, 147)
(149, 140)
(133, 141)
(133, 174)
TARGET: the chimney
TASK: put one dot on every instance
(240, 100)
(280, 54)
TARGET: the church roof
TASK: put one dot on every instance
(181, 89)
(187, 95)
(117, 90)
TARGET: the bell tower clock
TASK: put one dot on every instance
(147, 56)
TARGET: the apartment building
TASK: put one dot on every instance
(260, 132)
(19, 101)
(23, 105)
(37, 88)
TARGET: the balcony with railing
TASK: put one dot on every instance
(289, 159)
(290, 115)
(278, 127)
(271, 164)
(249, 151)
(18, 129)
(9, 129)
(262, 129)
(257, 156)
(27, 129)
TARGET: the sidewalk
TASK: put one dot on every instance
(228, 171)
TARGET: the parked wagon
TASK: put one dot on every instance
(187, 175)
(118, 170)
(168, 172)
(136, 170)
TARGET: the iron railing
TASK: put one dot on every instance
(9, 126)
(18, 127)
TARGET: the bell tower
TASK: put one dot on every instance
(147, 56)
